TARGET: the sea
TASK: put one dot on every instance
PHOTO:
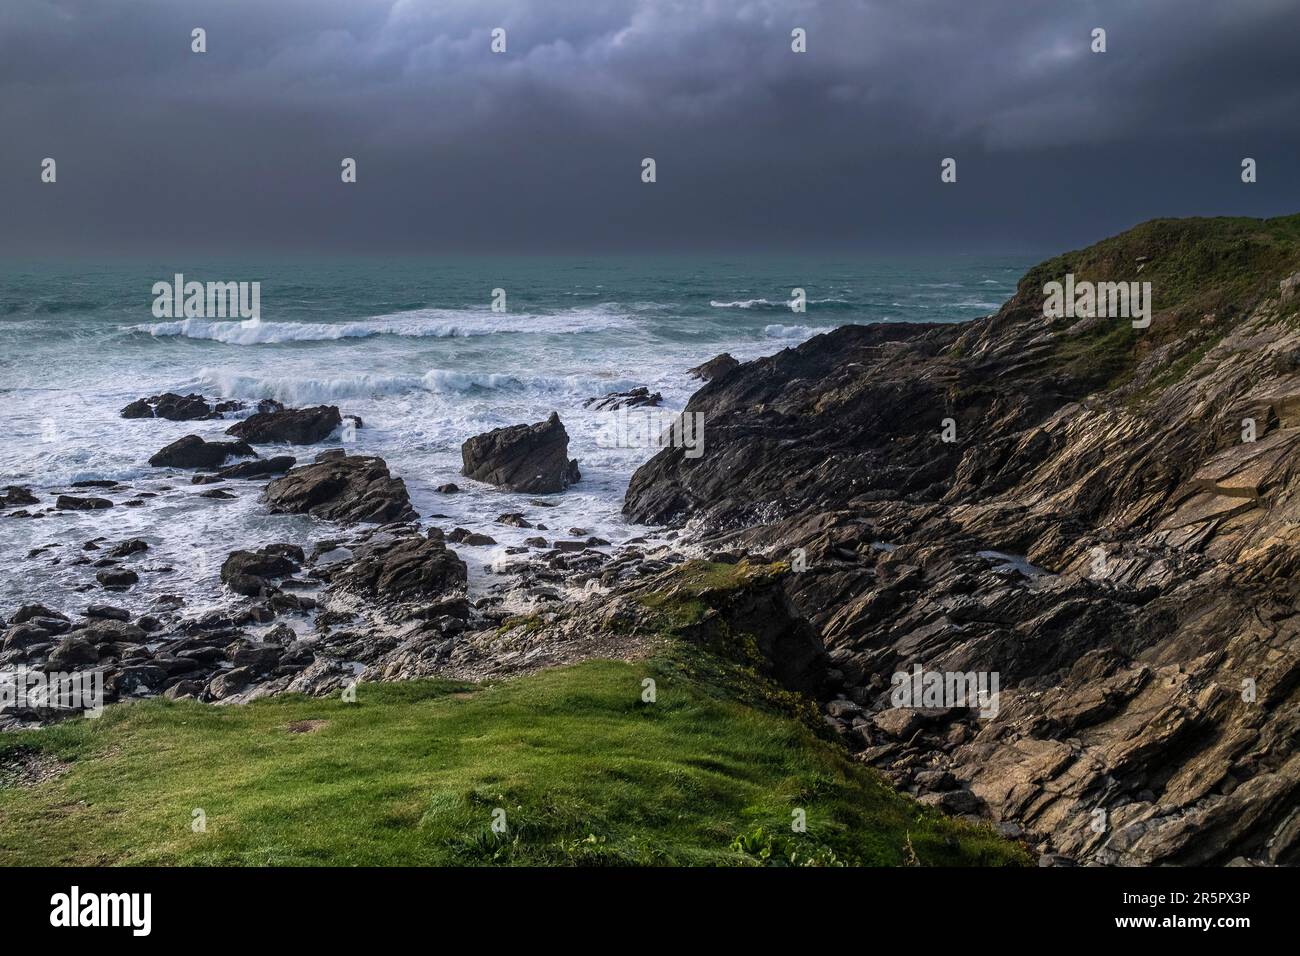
(415, 348)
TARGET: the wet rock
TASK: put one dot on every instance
(169, 405)
(288, 426)
(472, 538)
(635, 398)
(450, 488)
(74, 503)
(193, 452)
(515, 519)
(16, 495)
(525, 458)
(277, 465)
(249, 572)
(117, 579)
(345, 488)
(129, 547)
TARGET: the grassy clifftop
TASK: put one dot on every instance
(1205, 274)
(712, 772)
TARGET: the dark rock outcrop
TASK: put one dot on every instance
(292, 426)
(342, 487)
(249, 572)
(634, 398)
(717, 367)
(169, 405)
(76, 503)
(16, 495)
(528, 458)
(402, 568)
(1146, 642)
(259, 467)
(193, 452)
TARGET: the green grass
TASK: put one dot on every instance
(412, 773)
(1197, 267)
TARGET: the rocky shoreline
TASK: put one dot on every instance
(1097, 533)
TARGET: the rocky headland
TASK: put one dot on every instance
(1104, 516)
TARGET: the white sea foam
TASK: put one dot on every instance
(302, 391)
(421, 323)
(743, 303)
(770, 304)
(776, 331)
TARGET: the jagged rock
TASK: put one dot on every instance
(108, 612)
(128, 547)
(342, 487)
(402, 569)
(1151, 541)
(526, 458)
(25, 636)
(717, 367)
(74, 653)
(472, 538)
(117, 579)
(247, 572)
(29, 611)
(74, 503)
(16, 495)
(169, 405)
(293, 426)
(229, 683)
(193, 452)
(277, 465)
(635, 398)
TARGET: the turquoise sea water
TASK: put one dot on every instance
(413, 347)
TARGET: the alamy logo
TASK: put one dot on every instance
(1106, 300)
(653, 428)
(179, 299)
(25, 689)
(922, 688)
(74, 909)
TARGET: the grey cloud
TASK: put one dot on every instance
(540, 148)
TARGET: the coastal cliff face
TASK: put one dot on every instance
(1138, 490)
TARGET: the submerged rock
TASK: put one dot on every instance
(528, 458)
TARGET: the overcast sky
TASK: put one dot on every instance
(540, 148)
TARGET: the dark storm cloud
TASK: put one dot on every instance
(540, 148)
